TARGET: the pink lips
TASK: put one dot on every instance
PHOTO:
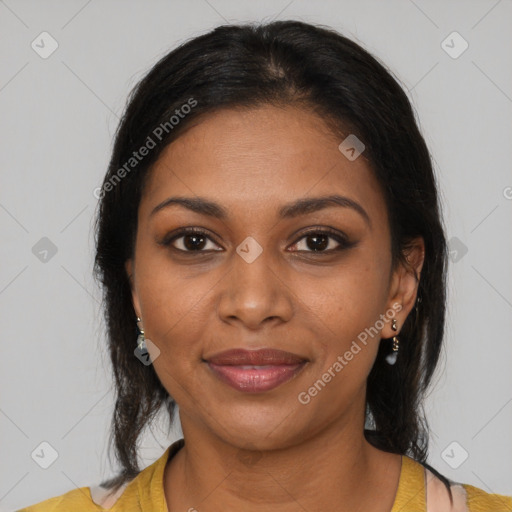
(254, 371)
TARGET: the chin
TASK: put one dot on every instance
(260, 430)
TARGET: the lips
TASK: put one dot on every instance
(264, 356)
(255, 371)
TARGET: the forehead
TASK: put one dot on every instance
(258, 157)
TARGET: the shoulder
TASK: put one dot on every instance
(83, 499)
(146, 487)
(423, 488)
(466, 498)
(479, 500)
(94, 498)
(77, 499)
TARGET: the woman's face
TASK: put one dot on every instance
(263, 276)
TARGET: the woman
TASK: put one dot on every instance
(273, 259)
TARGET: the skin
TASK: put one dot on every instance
(268, 451)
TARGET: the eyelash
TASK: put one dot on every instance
(343, 241)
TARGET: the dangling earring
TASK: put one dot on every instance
(391, 358)
(141, 344)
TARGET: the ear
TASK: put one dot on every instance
(404, 285)
(129, 267)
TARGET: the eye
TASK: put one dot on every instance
(190, 240)
(318, 241)
(322, 241)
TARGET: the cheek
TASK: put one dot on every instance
(346, 311)
(345, 307)
(347, 299)
(174, 307)
(174, 314)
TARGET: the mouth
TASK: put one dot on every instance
(255, 371)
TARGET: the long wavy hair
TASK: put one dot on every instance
(279, 63)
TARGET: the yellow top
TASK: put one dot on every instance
(145, 493)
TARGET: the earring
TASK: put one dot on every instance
(391, 358)
(141, 344)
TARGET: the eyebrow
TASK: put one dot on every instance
(297, 208)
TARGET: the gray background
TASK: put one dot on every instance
(58, 118)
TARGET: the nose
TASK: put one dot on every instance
(255, 293)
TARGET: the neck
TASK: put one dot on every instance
(337, 469)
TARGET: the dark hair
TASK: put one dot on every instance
(280, 63)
